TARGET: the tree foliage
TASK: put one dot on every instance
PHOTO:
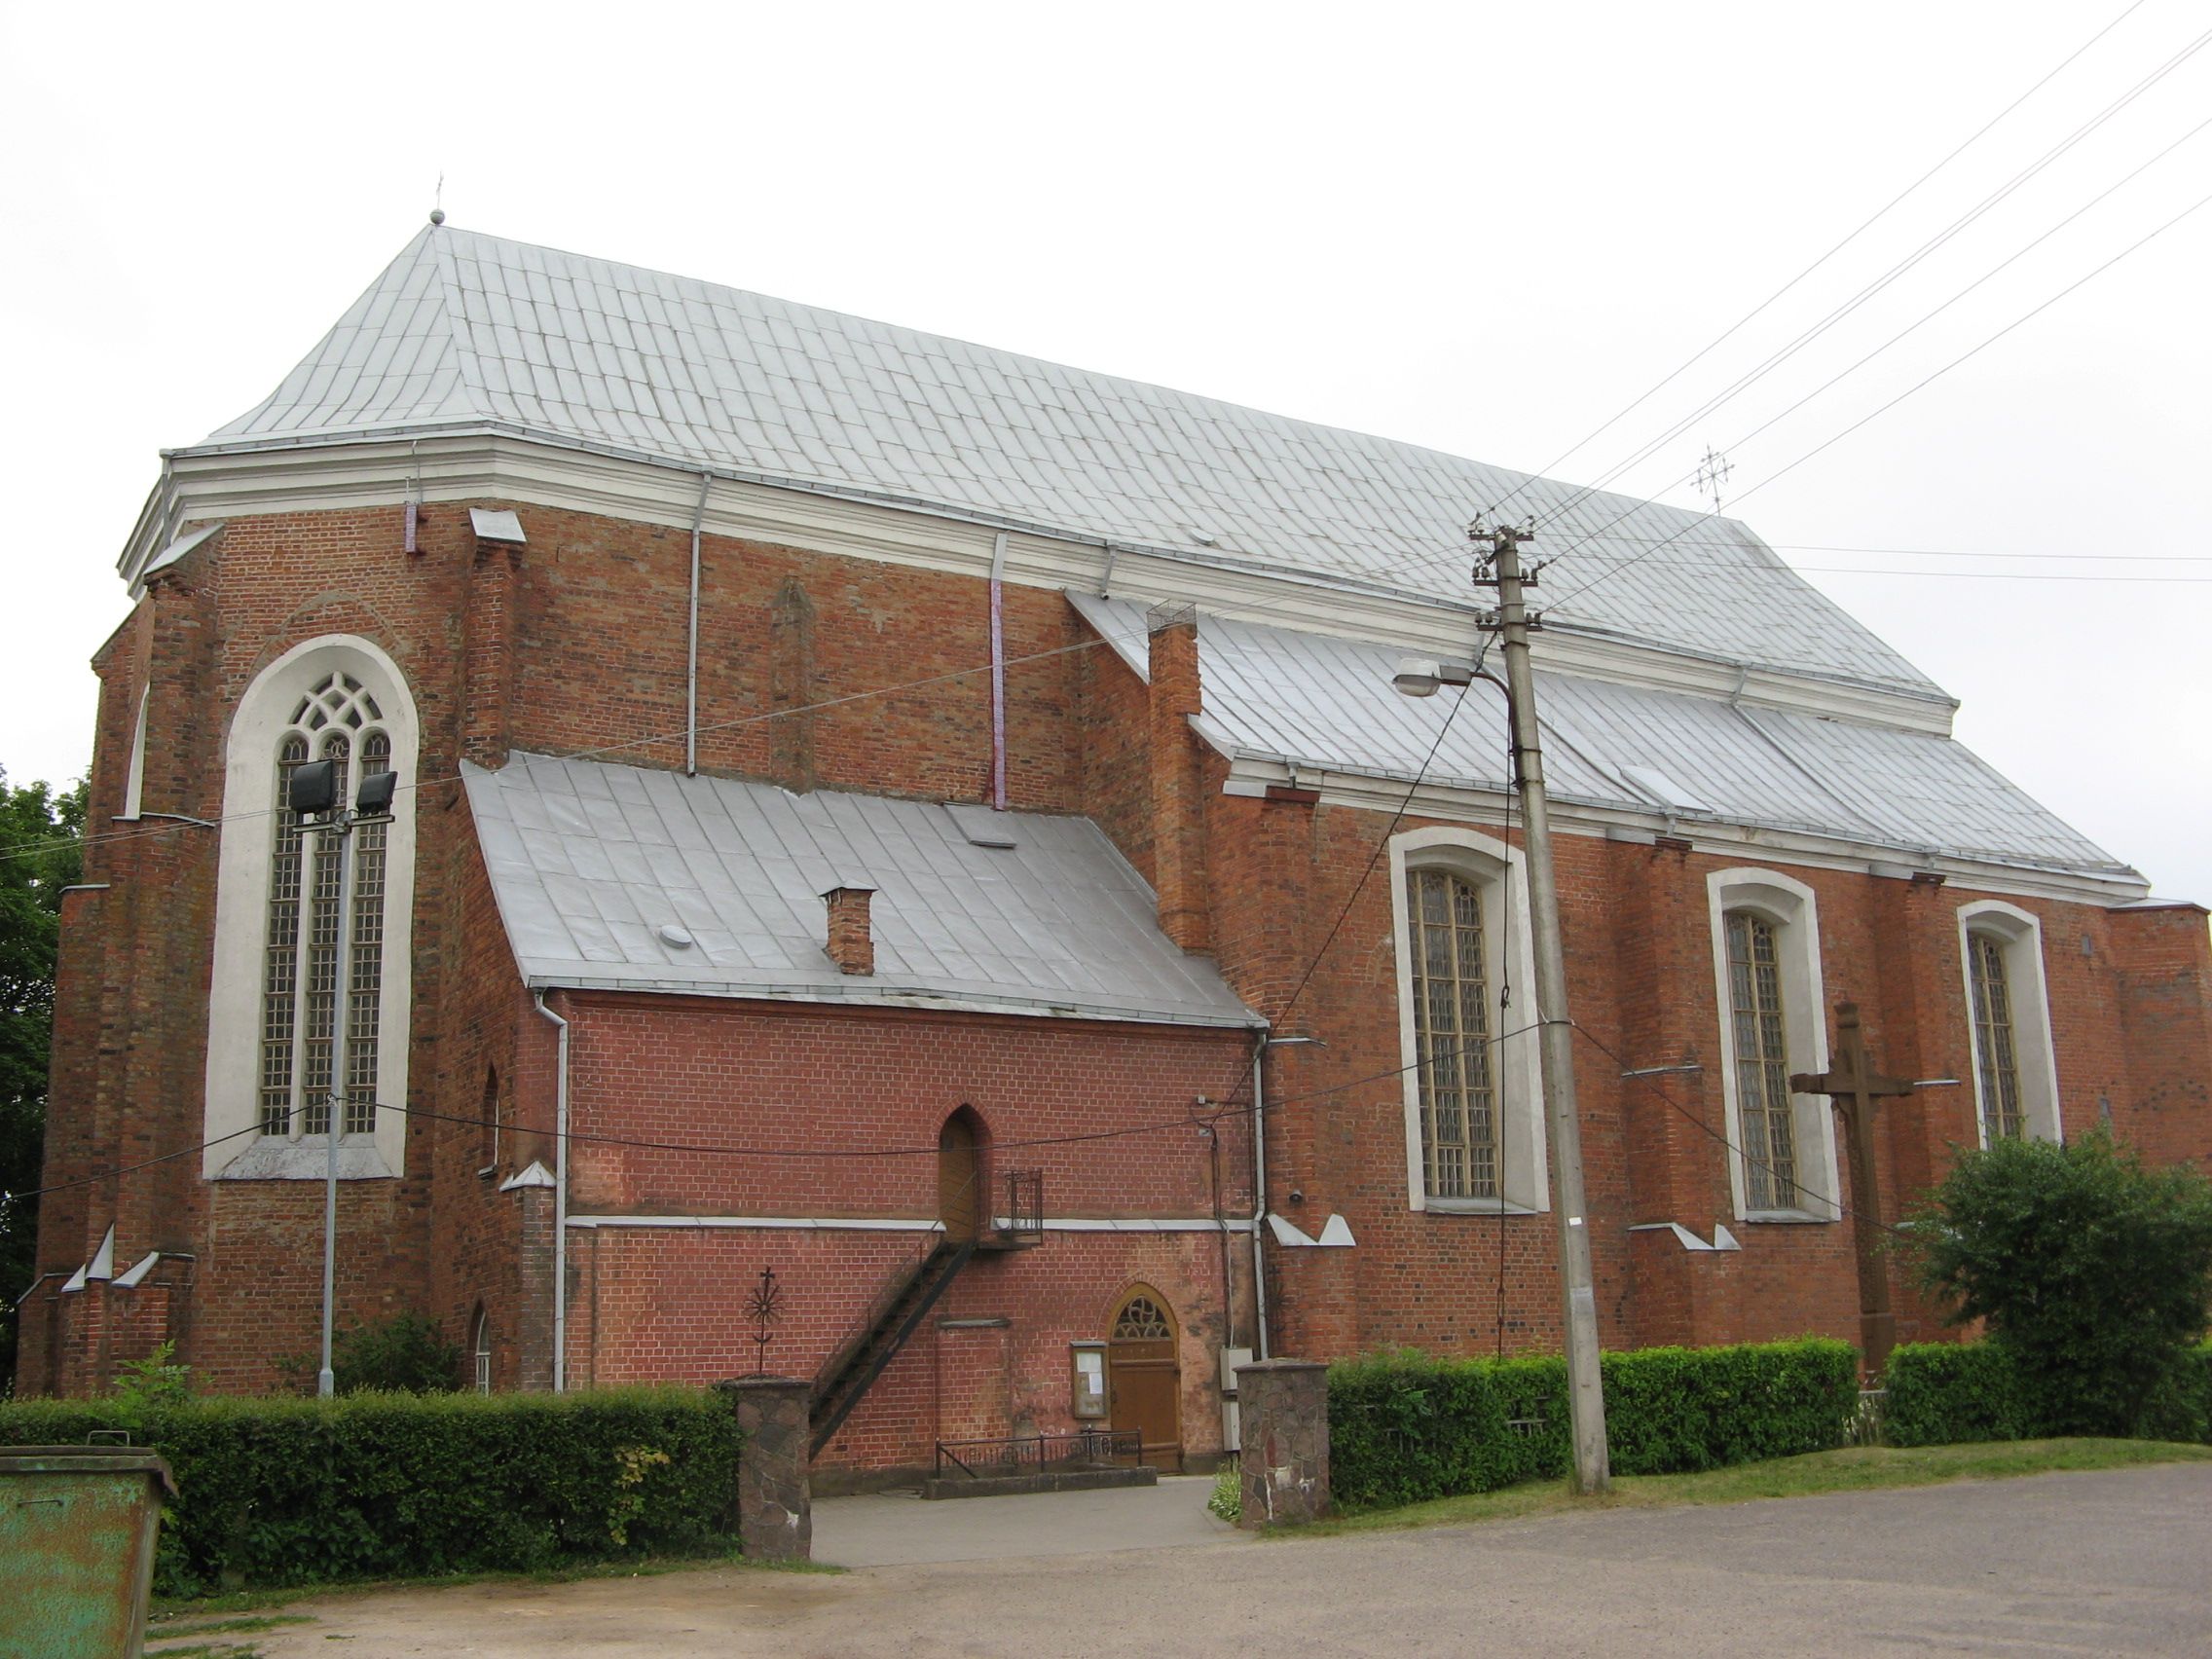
(2092, 1272)
(40, 854)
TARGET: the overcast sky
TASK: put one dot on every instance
(1480, 227)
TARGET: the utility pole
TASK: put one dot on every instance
(1585, 1388)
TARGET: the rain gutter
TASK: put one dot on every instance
(560, 1200)
(998, 672)
(1259, 1194)
(691, 665)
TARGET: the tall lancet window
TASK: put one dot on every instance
(339, 720)
(274, 1016)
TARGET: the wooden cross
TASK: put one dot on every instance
(1853, 1085)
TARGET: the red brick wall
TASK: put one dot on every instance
(577, 641)
(800, 1090)
(2130, 1025)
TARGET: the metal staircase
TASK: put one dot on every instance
(842, 1384)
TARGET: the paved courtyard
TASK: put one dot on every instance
(2108, 1563)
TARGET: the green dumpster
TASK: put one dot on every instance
(77, 1530)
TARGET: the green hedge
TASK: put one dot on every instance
(1949, 1393)
(1404, 1426)
(282, 1492)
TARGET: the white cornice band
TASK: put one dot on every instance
(211, 482)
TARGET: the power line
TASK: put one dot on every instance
(1917, 386)
(1986, 275)
(1224, 1110)
(1804, 339)
(1756, 311)
(1825, 1199)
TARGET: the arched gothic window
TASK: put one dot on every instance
(2015, 1072)
(1766, 960)
(272, 1003)
(338, 721)
(1764, 1106)
(1451, 1035)
(1473, 1087)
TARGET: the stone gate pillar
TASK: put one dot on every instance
(1284, 1427)
(775, 1505)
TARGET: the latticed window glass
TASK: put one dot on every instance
(1762, 1062)
(339, 720)
(1141, 1320)
(1996, 1049)
(1451, 1035)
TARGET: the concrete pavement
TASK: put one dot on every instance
(900, 1529)
(2114, 1562)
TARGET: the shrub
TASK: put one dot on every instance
(1948, 1394)
(2092, 1272)
(153, 1384)
(1404, 1426)
(404, 1354)
(283, 1490)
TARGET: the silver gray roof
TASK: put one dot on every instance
(465, 331)
(1319, 701)
(591, 862)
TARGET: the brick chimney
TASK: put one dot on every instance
(851, 947)
(1178, 820)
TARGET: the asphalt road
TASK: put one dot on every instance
(2118, 1561)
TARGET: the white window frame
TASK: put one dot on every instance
(232, 1111)
(1790, 907)
(2018, 934)
(1517, 1065)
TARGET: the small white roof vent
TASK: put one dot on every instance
(674, 937)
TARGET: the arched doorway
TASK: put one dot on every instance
(1144, 1383)
(960, 1176)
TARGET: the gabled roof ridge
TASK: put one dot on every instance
(462, 330)
(472, 331)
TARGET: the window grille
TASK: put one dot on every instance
(299, 993)
(1996, 1050)
(1451, 997)
(1762, 1063)
(1141, 1320)
(483, 1353)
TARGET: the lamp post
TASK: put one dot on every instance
(313, 791)
(1420, 678)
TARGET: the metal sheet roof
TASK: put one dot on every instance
(469, 331)
(590, 862)
(1327, 703)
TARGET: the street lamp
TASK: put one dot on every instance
(313, 793)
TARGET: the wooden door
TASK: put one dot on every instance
(1144, 1382)
(959, 1176)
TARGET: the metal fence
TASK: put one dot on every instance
(1024, 1216)
(1038, 1454)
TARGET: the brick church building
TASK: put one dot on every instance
(936, 827)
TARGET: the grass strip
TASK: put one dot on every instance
(1856, 1468)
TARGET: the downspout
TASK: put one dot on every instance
(691, 670)
(998, 672)
(560, 1200)
(1259, 1194)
